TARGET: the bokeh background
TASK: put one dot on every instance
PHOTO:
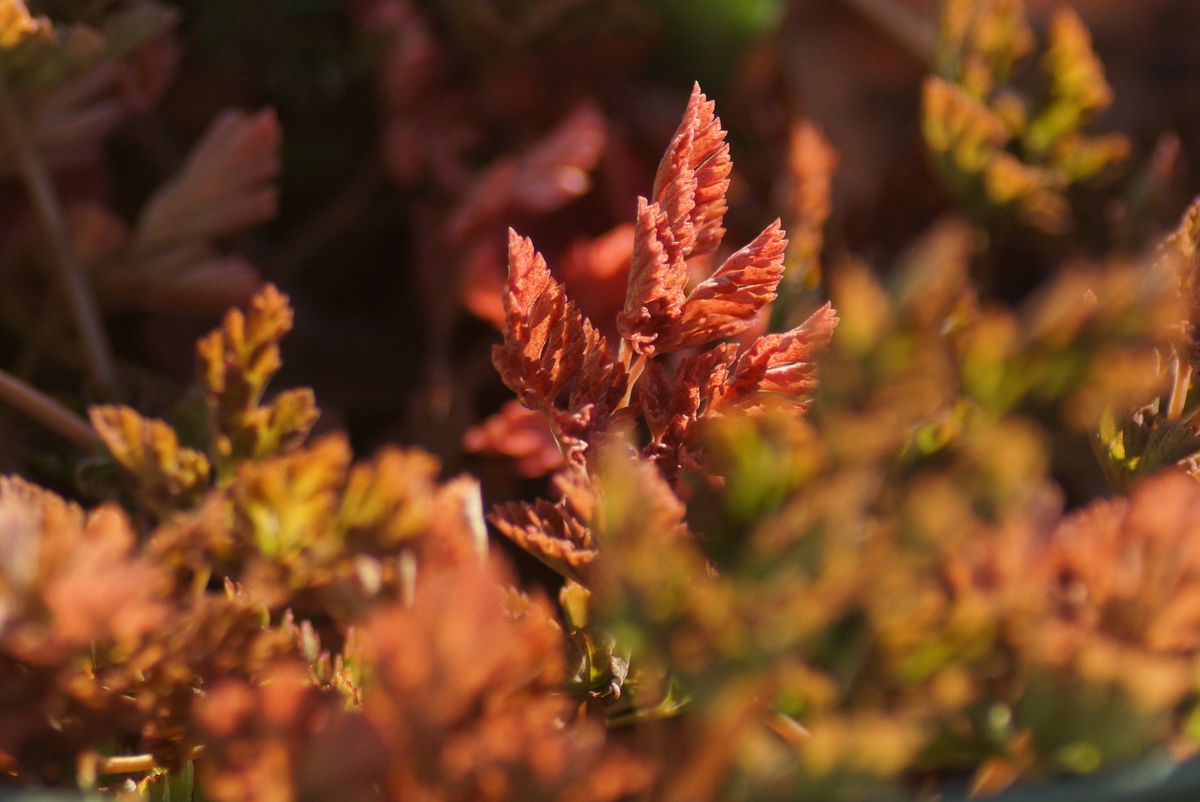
(394, 114)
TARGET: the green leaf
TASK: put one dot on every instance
(175, 786)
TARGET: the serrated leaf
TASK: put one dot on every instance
(671, 405)
(781, 365)
(169, 475)
(684, 219)
(287, 504)
(693, 178)
(286, 421)
(657, 278)
(550, 532)
(391, 497)
(552, 357)
(728, 301)
(226, 185)
(236, 362)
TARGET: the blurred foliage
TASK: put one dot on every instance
(894, 498)
(1008, 150)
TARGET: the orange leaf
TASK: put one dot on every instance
(550, 532)
(520, 434)
(727, 302)
(670, 406)
(552, 357)
(226, 185)
(693, 178)
(550, 174)
(780, 364)
(685, 219)
(657, 278)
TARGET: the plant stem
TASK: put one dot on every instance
(46, 411)
(136, 764)
(624, 353)
(905, 27)
(635, 373)
(791, 731)
(67, 271)
(1181, 382)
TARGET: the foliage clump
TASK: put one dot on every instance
(1011, 150)
(814, 528)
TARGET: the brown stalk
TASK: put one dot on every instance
(136, 764)
(66, 269)
(1181, 382)
(635, 373)
(46, 411)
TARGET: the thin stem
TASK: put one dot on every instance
(624, 353)
(67, 271)
(906, 28)
(635, 373)
(46, 411)
(667, 708)
(136, 764)
(1181, 382)
(791, 731)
